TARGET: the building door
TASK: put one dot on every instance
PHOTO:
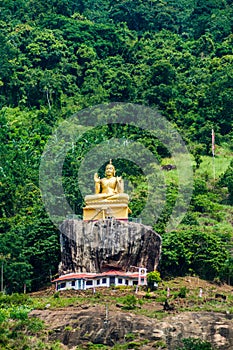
(79, 284)
(112, 280)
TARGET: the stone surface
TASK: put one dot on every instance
(109, 244)
(74, 326)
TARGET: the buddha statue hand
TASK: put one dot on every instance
(97, 183)
(119, 185)
(96, 178)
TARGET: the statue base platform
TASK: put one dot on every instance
(105, 209)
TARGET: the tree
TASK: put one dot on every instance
(59, 57)
(199, 251)
(153, 278)
(227, 180)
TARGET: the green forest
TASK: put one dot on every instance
(60, 57)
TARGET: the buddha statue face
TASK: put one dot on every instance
(110, 170)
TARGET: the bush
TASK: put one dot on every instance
(15, 299)
(130, 302)
(3, 316)
(153, 278)
(195, 344)
(91, 346)
(129, 336)
(56, 295)
(183, 292)
(134, 345)
(35, 325)
(19, 313)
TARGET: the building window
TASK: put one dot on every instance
(88, 283)
(73, 284)
(127, 282)
(104, 280)
(98, 282)
(135, 283)
(63, 285)
(120, 280)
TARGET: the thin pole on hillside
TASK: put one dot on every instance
(213, 153)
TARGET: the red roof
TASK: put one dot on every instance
(119, 273)
(86, 275)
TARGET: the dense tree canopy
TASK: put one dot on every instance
(59, 57)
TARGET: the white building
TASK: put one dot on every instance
(83, 281)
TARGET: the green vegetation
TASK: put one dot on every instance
(153, 279)
(59, 57)
(19, 330)
(130, 302)
(195, 344)
(184, 293)
(129, 345)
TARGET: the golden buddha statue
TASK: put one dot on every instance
(109, 198)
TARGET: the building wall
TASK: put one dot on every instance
(82, 284)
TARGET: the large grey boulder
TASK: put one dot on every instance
(98, 246)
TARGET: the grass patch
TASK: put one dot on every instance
(221, 162)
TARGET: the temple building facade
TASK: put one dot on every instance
(83, 281)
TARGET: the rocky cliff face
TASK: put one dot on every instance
(74, 326)
(102, 245)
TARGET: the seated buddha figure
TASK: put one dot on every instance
(109, 188)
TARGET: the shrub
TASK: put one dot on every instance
(35, 325)
(195, 344)
(56, 295)
(160, 344)
(183, 292)
(91, 346)
(15, 299)
(3, 316)
(153, 278)
(134, 345)
(129, 336)
(130, 302)
(19, 313)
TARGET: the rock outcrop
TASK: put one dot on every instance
(74, 326)
(98, 246)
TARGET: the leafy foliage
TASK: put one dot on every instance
(196, 344)
(59, 57)
(153, 276)
(130, 302)
(227, 180)
(193, 251)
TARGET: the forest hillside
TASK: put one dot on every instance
(60, 57)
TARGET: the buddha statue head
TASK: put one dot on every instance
(110, 170)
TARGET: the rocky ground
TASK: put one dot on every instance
(103, 321)
(74, 326)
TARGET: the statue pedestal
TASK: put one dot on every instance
(103, 211)
(96, 209)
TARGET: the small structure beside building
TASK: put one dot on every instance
(83, 281)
